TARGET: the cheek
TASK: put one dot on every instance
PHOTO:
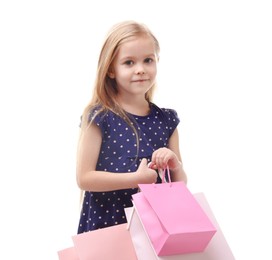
(153, 71)
(124, 74)
(122, 77)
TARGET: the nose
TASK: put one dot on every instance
(140, 70)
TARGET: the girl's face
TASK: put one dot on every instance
(135, 66)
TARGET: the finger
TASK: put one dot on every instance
(143, 163)
(152, 165)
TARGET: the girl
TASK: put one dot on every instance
(124, 137)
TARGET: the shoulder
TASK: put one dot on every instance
(167, 113)
(106, 119)
(98, 114)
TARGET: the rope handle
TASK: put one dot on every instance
(162, 173)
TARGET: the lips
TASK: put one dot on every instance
(140, 80)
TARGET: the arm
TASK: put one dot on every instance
(91, 180)
(170, 156)
(176, 167)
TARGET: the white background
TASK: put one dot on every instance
(215, 70)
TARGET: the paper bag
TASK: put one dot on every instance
(68, 254)
(110, 243)
(217, 249)
(172, 218)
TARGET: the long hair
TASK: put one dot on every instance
(105, 90)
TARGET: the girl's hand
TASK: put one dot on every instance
(145, 174)
(163, 157)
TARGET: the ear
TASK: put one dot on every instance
(111, 74)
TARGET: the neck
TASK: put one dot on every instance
(140, 108)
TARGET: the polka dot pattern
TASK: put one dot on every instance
(119, 154)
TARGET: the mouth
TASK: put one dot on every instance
(140, 80)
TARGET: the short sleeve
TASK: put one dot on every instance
(172, 119)
(99, 118)
(95, 116)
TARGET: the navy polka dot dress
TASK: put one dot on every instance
(119, 154)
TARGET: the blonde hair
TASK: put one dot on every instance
(105, 91)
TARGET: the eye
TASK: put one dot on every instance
(128, 62)
(148, 60)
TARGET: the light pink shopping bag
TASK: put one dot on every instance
(68, 254)
(111, 243)
(217, 249)
(173, 219)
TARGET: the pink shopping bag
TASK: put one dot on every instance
(113, 243)
(217, 249)
(68, 254)
(173, 219)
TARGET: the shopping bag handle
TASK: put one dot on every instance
(162, 173)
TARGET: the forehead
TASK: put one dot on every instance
(137, 46)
